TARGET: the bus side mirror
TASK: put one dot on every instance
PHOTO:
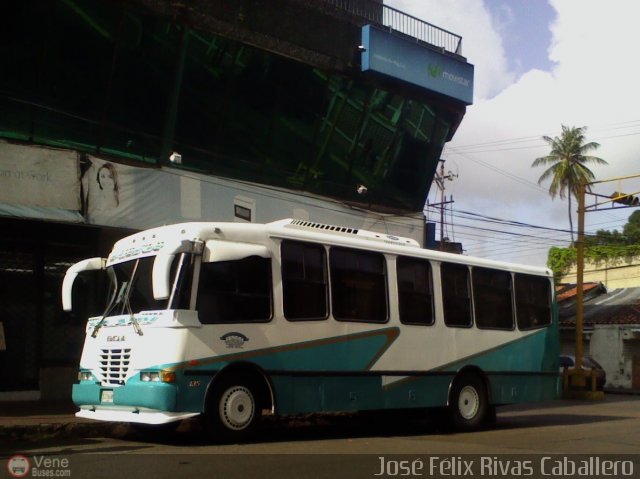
(90, 264)
(161, 276)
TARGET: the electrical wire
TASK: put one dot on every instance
(504, 242)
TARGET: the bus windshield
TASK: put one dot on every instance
(132, 290)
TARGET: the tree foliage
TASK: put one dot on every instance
(605, 245)
(604, 238)
(566, 164)
(630, 234)
(631, 230)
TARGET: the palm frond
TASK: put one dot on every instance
(566, 162)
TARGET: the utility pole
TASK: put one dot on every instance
(580, 274)
(440, 179)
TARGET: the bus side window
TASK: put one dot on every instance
(492, 298)
(533, 301)
(235, 291)
(456, 297)
(415, 291)
(358, 285)
(304, 281)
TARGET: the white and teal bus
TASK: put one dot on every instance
(228, 321)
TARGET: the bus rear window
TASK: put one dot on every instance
(456, 296)
(304, 281)
(533, 301)
(358, 285)
(415, 291)
(493, 304)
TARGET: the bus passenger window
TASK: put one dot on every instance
(456, 297)
(304, 281)
(358, 285)
(415, 291)
(235, 291)
(533, 301)
(492, 299)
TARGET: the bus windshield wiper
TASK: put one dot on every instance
(121, 296)
(127, 304)
(116, 297)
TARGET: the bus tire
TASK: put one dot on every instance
(233, 411)
(469, 404)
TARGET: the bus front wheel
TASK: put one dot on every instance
(469, 404)
(233, 411)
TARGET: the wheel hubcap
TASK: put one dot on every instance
(237, 407)
(468, 402)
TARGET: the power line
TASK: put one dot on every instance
(462, 214)
(508, 242)
(539, 138)
(511, 176)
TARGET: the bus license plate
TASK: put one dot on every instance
(106, 395)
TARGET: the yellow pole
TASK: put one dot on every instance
(617, 178)
(580, 275)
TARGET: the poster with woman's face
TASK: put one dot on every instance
(107, 179)
(107, 190)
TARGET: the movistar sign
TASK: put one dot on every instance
(406, 60)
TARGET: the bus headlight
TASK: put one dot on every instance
(150, 376)
(85, 376)
(158, 376)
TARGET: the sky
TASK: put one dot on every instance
(538, 65)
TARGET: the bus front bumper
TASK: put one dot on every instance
(147, 403)
(132, 415)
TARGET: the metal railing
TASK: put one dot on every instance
(396, 20)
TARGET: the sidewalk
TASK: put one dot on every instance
(36, 419)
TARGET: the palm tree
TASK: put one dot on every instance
(566, 164)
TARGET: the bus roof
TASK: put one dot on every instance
(295, 229)
(168, 238)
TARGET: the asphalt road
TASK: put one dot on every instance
(361, 446)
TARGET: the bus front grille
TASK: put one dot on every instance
(114, 365)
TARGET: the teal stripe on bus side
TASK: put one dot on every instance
(320, 378)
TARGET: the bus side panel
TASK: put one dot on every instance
(431, 390)
(334, 374)
(523, 370)
(297, 395)
(192, 391)
(514, 388)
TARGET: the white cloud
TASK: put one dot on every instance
(481, 42)
(593, 84)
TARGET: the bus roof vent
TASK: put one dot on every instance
(362, 234)
(320, 226)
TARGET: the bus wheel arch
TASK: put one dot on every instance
(469, 400)
(235, 399)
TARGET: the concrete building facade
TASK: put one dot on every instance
(119, 116)
(614, 273)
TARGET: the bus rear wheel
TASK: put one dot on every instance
(469, 403)
(233, 412)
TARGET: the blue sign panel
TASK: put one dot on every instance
(400, 58)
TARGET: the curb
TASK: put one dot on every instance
(62, 430)
(71, 429)
(622, 392)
